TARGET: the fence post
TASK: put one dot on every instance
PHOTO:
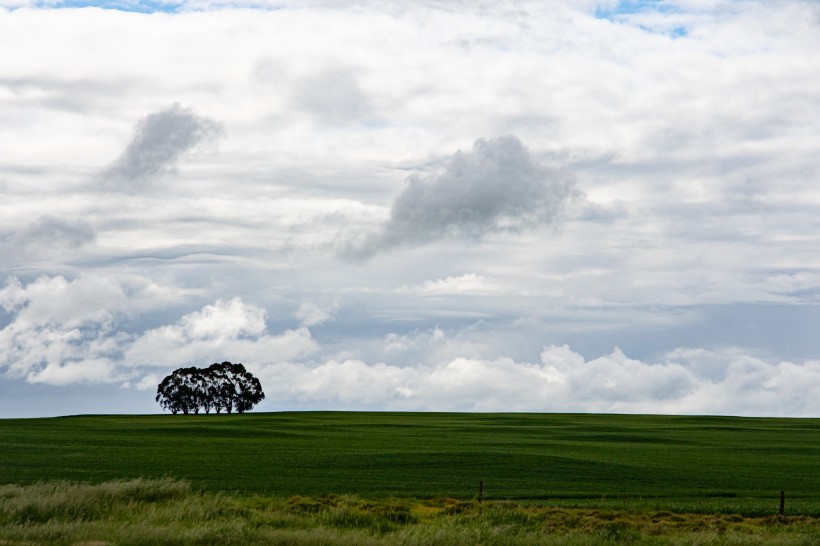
(782, 502)
(480, 490)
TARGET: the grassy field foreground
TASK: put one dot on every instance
(147, 512)
(403, 478)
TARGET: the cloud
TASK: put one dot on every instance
(333, 97)
(58, 301)
(562, 381)
(53, 232)
(70, 331)
(498, 186)
(62, 332)
(159, 141)
(225, 319)
(696, 153)
(65, 332)
(12, 4)
(469, 283)
(226, 330)
(87, 370)
(92, 297)
(49, 238)
(312, 313)
(467, 384)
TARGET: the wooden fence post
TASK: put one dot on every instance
(782, 502)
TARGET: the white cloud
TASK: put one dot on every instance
(562, 381)
(333, 96)
(149, 382)
(91, 299)
(416, 340)
(469, 283)
(66, 331)
(62, 333)
(227, 330)
(225, 319)
(85, 371)
(74, 301)
(691, 130)
(13, 4)
(313, 313)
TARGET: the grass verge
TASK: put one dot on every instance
(168, 511)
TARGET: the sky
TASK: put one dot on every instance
(442, 205)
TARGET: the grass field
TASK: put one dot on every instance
(165, 511)
(410, 479)
(712, 464)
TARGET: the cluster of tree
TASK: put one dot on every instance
(220, 387)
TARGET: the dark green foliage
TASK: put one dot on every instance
(181, 391)
(222, 387)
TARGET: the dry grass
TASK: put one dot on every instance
(166, 511)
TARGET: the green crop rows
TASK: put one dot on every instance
(717, 464)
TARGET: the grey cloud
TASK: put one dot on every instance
(50, 231)
(159, 142)
(601, 213)
(48, 236)
(497, 186)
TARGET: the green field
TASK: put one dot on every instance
(687, 463)
(408, 479)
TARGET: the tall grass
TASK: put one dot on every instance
(63, 501)
(167, 511)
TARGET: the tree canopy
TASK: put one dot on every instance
(220, 387)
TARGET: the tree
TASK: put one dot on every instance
(220, 387)
(246, 388)
(234, 388)
(182, 391)
(229, 387)
(174, 393)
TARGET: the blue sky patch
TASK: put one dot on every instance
(628, 7)
(679, 32)
(137, 6)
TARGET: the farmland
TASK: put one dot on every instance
(517, 456)
(309, 466)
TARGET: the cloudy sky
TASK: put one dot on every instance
(556, 205)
